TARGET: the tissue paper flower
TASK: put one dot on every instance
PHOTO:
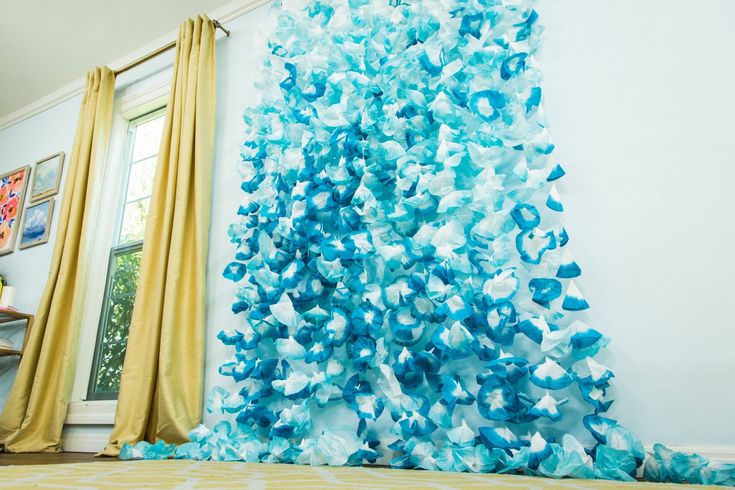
(401, 271)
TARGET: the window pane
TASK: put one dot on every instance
(133, 225)
(140, 182)
(116, 314)
(147, 139)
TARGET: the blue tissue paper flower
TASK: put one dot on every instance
(544, 290)
(550, 375)
(573, 299)
(501, 438)
(497, 399)
(454, 392)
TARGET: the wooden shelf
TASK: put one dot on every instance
(13, 316)
(8, 316)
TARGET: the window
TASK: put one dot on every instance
(143, 140)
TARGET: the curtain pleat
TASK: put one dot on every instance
(33, 416)
(162, 379)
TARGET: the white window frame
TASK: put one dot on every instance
(131, 102)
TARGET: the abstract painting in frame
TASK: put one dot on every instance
(47, 176)
(12, 195)
(37, 223)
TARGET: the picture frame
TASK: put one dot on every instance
(36, 223)
(47, 176)
(13, 187)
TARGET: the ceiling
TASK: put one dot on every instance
(46, 44)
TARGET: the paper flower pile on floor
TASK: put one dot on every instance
(404, 284)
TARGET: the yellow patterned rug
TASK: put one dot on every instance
(211, 475)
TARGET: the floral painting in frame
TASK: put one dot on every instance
(47, 176)
(12, 194)
(37, 223)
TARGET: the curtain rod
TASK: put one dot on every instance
(161, 50)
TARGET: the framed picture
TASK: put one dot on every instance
(36, 223)
(12, 195)
(47, 176)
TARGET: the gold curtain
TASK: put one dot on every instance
(162, 378)
(34, 413)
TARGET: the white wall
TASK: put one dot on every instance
(641, 111)
(640, 99)
(27, 270)
(237, 65)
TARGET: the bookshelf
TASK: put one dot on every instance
(11, 316)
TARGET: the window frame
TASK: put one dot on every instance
(117, 248)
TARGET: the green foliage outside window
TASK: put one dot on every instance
(115, 322)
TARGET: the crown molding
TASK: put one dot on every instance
(224, 14)
(235, 9)
(46, 102)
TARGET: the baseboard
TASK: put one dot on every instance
(92, 439)
(716, 454)
(85, 438)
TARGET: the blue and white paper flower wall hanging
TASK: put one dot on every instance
(405, 287)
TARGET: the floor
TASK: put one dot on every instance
(107, 473)
(49, 458)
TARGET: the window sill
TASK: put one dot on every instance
(100, 412)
